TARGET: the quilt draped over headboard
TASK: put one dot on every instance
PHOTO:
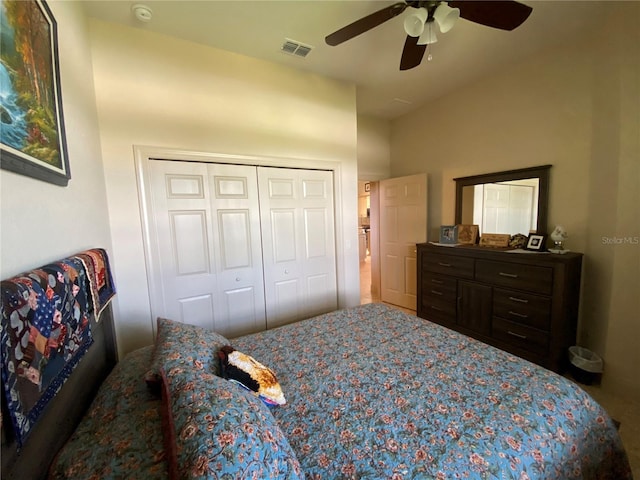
(46, 329)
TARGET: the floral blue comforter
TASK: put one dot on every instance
(372, 393)
(375, 393)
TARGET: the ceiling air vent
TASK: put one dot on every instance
(293, 47)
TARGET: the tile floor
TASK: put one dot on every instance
(624, 409)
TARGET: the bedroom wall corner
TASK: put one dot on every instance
(41, 222)
(616, 211)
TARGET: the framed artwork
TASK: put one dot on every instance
(468, 234)
(32, 137)
(498, 240)
(367, 187)
(536, 242)
(449, 234)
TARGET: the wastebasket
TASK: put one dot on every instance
(585, 365)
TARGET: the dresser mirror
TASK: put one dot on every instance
(510, 202)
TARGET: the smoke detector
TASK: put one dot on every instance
(142, 12)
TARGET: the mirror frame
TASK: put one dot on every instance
(541, 173)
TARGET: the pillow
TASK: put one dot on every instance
(251, 374)
(185, 345)
(219, 431)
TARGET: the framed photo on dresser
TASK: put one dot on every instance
(536, 242)
(468, 234)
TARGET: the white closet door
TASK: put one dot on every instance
(208, 259)
(298, 236)
(238, 245)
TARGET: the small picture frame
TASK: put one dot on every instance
(367, 187)
(536, 242)
(449, 234)
(468, 234)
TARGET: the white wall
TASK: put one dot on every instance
(575, 107)
(158, 91)
(374, 148)
(41, 222)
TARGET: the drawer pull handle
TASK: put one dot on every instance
(516, 314)
(510, 275)
(442, 264)
(437, 282)
(519, 300)
(436, 292)
(433, 307)
(523, 337)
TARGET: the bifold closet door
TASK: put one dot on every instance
(298, 243)
(206, 246)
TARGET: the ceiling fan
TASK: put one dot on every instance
(420, 25)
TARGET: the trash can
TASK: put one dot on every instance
(585, 365)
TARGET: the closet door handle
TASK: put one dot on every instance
(510, 275)
(433, 307)
(436, 292)
(516, 314)
(437, 282)
(443, 264)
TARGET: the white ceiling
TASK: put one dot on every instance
(371, 61)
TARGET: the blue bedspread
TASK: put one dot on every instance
(375, 393)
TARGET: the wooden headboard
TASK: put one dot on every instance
(65, 411)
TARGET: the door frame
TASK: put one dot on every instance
(144, 154)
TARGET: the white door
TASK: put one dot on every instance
(205, 245)
(403, 223)
(298, 237)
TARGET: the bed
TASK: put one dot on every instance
(371, 393)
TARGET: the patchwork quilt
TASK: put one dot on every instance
(46, 329)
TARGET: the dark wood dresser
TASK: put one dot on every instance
(524, 303)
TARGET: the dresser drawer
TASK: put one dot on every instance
(438, 286)
(530, 310)
(438, 310)
(518, 335)
(449, 265)
(531, 278)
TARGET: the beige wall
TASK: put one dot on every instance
(374, 149)
(41, 222)
(576, 107)
(158, 91)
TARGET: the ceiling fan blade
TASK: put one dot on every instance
(412, 53)
(365, 23)
(502, 14)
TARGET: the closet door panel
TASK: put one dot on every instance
(237, 241)
(184, 271)
(299, 243)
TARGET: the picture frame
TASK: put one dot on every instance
(497, 240)
(32, 138)
(449, 234)
(536, 242)
(367, 187)
(468, 234)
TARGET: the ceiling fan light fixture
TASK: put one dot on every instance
(414, 22)
(446, 17)
(429, 35)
